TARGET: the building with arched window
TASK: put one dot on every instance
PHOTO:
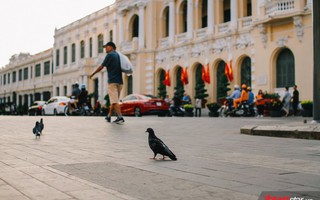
(193, 43)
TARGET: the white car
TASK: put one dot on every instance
(55, 105)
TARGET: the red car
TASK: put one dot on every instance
(138, 105)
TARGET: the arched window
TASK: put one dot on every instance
(200, 90)
(162, 91)
(73, 52)
(248, 8)
(226, 11)
(222, 81)
(65, 55)
(90, 47)
(179, 89)
(100, 43)
(184, 16)
(111, 36)
(204, 14)
(82, 49)
(246, 71)
(135, 26)
(166, 22)
(285, 69)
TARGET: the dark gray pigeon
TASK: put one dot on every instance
(41, 125)
(36, 130)
(158, 147)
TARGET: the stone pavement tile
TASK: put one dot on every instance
(268, 183)
(251, 189)
(93, 194)
(35, 189)
(16, 163)
(302, 179)
(9, 193)
(66, 185)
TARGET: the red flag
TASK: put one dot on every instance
(208, 74)
(166, 81)
(228, 71)
(184, 76)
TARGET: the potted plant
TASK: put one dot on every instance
(274, 107)
(188, 110)
(213, 108)
(307, 106)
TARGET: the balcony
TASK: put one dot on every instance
(200, 33)
(245, 22)
(182, 37)
(223, 28)
(164, 42)
(129, 46)
(283, 7)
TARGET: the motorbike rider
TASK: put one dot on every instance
(235, 95)
(251, 96)
(82, 98)
(74, 97)
(244, 96)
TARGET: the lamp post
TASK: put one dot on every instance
(316, 61)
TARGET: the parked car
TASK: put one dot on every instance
(138, 105)
(55, 105)
(36, 108)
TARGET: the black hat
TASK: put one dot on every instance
(110, 44)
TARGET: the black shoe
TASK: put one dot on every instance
(119, 120)
(108, 119)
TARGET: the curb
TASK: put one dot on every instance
(311, 132)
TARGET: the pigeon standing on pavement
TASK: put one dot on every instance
(36, 130)
(41, 126)
(158, 147)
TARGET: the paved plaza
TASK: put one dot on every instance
(90, 159)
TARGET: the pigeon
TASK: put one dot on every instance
(157, 146)
(36, 130)
(41, 126)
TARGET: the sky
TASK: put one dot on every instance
(28, 25)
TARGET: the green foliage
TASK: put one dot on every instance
(162, 91)
(307, 104)
(188, 107)
(223, 87)
(107, 101)
(179, 91)
(274, 105)
(271, 95)
(213, 107)
(201, 91)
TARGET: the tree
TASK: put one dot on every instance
(162, 90)
(223, 87)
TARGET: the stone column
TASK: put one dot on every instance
(141, 25)
(106, 32)
(210, 16)
(190, 19)
(86, 45)
(171, 22)
(94, 43)
(121, 28)
(78, 48)
(115, 32)
(234, 14)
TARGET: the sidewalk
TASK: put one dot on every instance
(84, 158)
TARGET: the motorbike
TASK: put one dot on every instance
(82, 110)
(243, 110)
(176, 111)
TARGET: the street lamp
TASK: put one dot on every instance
(316, 62)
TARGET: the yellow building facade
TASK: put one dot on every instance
(267, 43)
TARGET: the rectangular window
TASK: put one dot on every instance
(57, 57)
(38, 70)
(14, 76)
(100, 43)
(47, 68)
(4, 79)
(90, 47)
(82, 49)
(65, 55)
(111, 36)
(73, 53)
(20, 74)
(8, 78)
(25, 73)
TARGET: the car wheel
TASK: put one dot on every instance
(137, 112)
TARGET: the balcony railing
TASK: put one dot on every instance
(200, 33)
(246, 22)
(164, 42)
(182, 37)
(128, 46)
(222, 28)
(278, 7)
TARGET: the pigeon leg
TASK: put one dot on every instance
(163, 158)
(154, 157)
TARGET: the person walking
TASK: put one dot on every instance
(115, 81)
(198, 106)
(260, 103)
(286, 101)
(295, 100)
